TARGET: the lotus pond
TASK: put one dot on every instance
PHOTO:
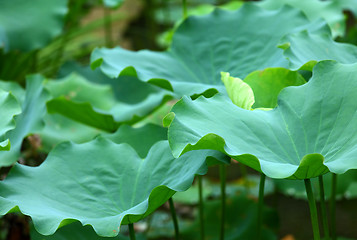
(170, 119)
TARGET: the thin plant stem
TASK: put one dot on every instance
(184, 8)
(108, 28)
(313, 209)
(222, 171)
(323, 209)
(260, 206)
(131, 231)
(333, 206)
(243, 170)
(174, 218)
(201, 207)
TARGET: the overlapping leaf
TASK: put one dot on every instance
(305, 49)
(312, 131)
(29, 25)
(74, 231)
(95, 105)
(331, 11)
(98, 183)
(59, 128)
(193, 66)
(127, 89)
(9, 108)
(29, 121)
(141, 139)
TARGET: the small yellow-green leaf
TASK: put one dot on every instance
(238, 91)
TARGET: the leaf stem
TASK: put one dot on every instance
(174, 218)
(223, 173)
(108, 28)
(323, 209)
(313, 210)
(200, 195)
(333, 206)
(131, 231)
(260, 205)
(184, 8)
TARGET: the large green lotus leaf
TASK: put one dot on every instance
(82, 101)
(126, 89)
(29, 121)
(30, 25)
(330, 11)
(241, 220)
(141, 139)
(74, 231)
(95, 105)
(192, 66)
(15, 89)
(99, 183)
(310, 132)
(9, 108)
(305, 49)
(59, 128)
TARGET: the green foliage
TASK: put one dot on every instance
(29, 121)
(301, 138)
(95, 105)
(11, 108)
(306, 49)
(139, 186)
(192, 66)
(30, 25)
(331, 11)
(255, 86)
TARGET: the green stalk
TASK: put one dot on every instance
(222, 173)
(131, 231)
(333, 207)
(313, 210)
(200, 195)
(174, 218)
(243, 170)
(323, 209)
(260, 206)
(184, 8)
(108, 28)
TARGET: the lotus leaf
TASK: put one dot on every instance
(29, 121)
(260, 88)
(15, 89)
(192, 66)
(141, 139)
(123, 87)
(306, 49)
(95, 105)
(9, 108)
(312, 130)
(74, 231)
(23, 21)
(99, 183)
(59, 128)
(330, 11)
